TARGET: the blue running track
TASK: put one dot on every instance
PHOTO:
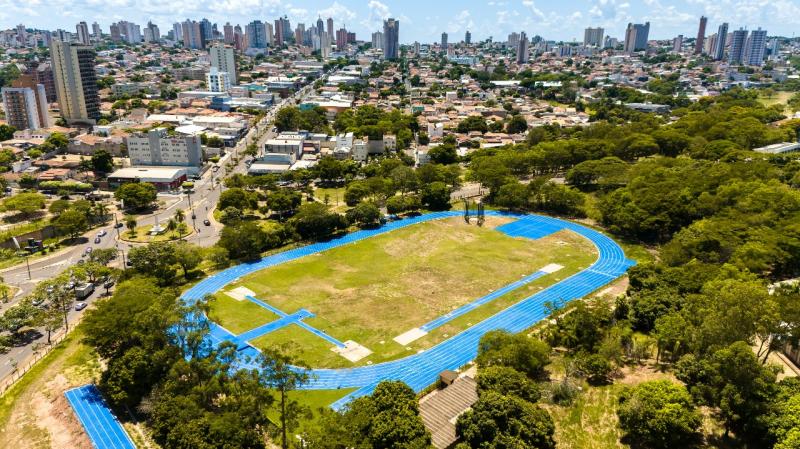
(421, 369)
(101, 425)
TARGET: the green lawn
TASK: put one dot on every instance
(142, 235)
(238, 316)
(780, 97)
(379, 288)
(335, 197)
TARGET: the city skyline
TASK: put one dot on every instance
(425, 22)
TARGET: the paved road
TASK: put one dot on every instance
(202, 201)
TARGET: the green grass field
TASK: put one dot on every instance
(379, 288)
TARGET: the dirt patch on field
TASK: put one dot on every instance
(633, 375)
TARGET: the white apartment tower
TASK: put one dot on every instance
(223, 59)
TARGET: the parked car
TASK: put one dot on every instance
(87, 251)
(97, 240)
(118, 225)
(102, 233)
(80, 306)
(206, 222)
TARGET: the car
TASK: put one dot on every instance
(81, 262)
(206, 222)
(108, 284)
(102, 233)
(87, 251)
(80, 306)
(97, 240)
(118, 225)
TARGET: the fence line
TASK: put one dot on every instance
(31, 361)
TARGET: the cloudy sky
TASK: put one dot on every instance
(424, 20)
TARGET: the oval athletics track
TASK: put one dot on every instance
(422, 369)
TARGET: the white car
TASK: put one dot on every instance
(102, 233)
(80, 306)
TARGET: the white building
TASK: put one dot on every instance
(157, 148)
(218, 81)
(223, 59)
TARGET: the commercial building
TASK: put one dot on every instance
(163, 178)
(158, 148)
(391, 35)
(444, 42)
(636, 36)
(223, 59)
(467, 37)
(593, 37)
(377, 40)
(25, 104)
(76, 82)
(677, 43)
(701, 35)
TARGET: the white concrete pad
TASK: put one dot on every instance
(352, 351)
(551, 268)
(239, 293)
(408, 337)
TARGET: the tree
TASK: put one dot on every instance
(188, 256)
(595, 367)
(136, 195)
(130, 223)
(444, 154)
(498, 421)
(524, 354)
(388, 418)
(283, 201)
(315, 221)
(246, 240)
(102, 162)
(154, 259)
(508, 382)
(72, 223)
(25, 203)
(365, 214)
(436, 196)
(236, 197)
(6, 132)
(659, 414)
(517, 125)
(103, 255)
(279, 372)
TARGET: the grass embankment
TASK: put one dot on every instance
(376, 289)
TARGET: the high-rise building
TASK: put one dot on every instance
(82, 33)
(223, 59)
(721, 42)
(270, 33)
(157, 147)
(377, 40)
(325, 45)
(130, 32)
(25, 104)
(330, 27)
(218, 81)
(43, 74)
(177, 32)
(97, 33)
(513, 41)
(523, 52)
(341, 39)
(152, 33)
(256, 34)
(444, 42)
(701, 35)
(228, 33)
(391, 38)
(755, 47)
(76, 82)
(677, 43)
(206, 32)
(736, 51)
(467, 37)
(636, 37)
(299, 34)
(114, 32)
(320, 26)
(192, 34)
(593, 37)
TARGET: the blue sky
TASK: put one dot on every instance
(424, 20)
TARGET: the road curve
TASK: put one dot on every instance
(422, 369)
